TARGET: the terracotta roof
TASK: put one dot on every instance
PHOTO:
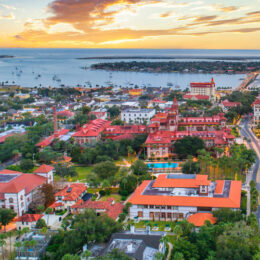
(44, 168)
(25, 181)
(71, 192)
(219, 187)
(227, 103)
(233, 201)
(125, 129)
(55, 205)
(198, 219)
(29, 218)
(93, 128)
(111, 208)
(197, 97)
(47, 141)
(257, 102)
(65, 113)
(163, 182)
(122, 137)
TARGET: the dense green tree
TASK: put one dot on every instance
(117, 122)
(238, 241)
(190, 167)
(6, 216)
(227, 215)
(105, 170)
(114, 111)
(26, 165)
(41, 223)
(127, 185)
(188, 146)
(64, 170)
(139, 168)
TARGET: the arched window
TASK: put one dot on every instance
(21, 198)
(11, 200)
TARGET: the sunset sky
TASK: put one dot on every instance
(223, 24)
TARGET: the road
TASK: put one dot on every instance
(254, 144)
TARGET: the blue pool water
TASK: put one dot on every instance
(162, 165)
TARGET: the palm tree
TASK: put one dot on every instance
(86, 254)
(2, 243)
(159, 256)
(178, 231)
(18, 245)
(10, 234)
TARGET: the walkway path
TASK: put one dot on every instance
(169, 251)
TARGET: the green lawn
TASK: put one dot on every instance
(116, 196)
(82, 171)
(160, 224)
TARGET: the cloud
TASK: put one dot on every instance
(9, 7)
(7, 16)
(226, 9)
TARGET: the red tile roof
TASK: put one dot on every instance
(125, 129)
(76, 190)
(47, 141)
(203, 84)
(93, 128)
(163, 182)
(227, 103)
(29, 218)
(219, 187)
(122, 137)
(197, 97)
(65, 113)
(233, 201)
(111, 208)
(198, 219)
(44, 168)
(56, 205)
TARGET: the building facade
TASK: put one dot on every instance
(204, 89)
(133, 116)
(18, 190)
(171, 197)
(168, 127)
(256, 110)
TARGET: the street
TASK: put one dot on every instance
(254, 144)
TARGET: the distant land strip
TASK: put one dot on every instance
(169, 58)
(218, 67)
(6, 56)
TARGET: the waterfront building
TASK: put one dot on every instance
(131, 116)
(226, 105)
(171, 197)
(203, 89)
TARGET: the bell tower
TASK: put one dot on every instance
(173, 116)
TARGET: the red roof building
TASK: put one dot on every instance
(172, 197)
(164, 130)
(109, 207)
(226, 105)
(99, 115)
(45, 171)
(27, 220)
(256, 110)
(71, 194)
(91, 132)
(195, 97)
(65, 113)
(18, 190)
(198, 219)
(48, 141)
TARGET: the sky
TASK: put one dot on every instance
(170, 24)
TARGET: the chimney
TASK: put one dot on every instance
(55, 122)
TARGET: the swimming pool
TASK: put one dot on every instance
(162, 165)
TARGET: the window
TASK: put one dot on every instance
(169, 207)
(146, 206)
(157, 207)
(21, 198)
(22, 204)
(162, 207)
(140, 214)
(151, 206)
(11, 200)
(12, 207)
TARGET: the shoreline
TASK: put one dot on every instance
(221, 58)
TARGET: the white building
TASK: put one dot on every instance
(171, 197)
(27, 221)
(18, 190)
(137, 115)
(204, 89)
